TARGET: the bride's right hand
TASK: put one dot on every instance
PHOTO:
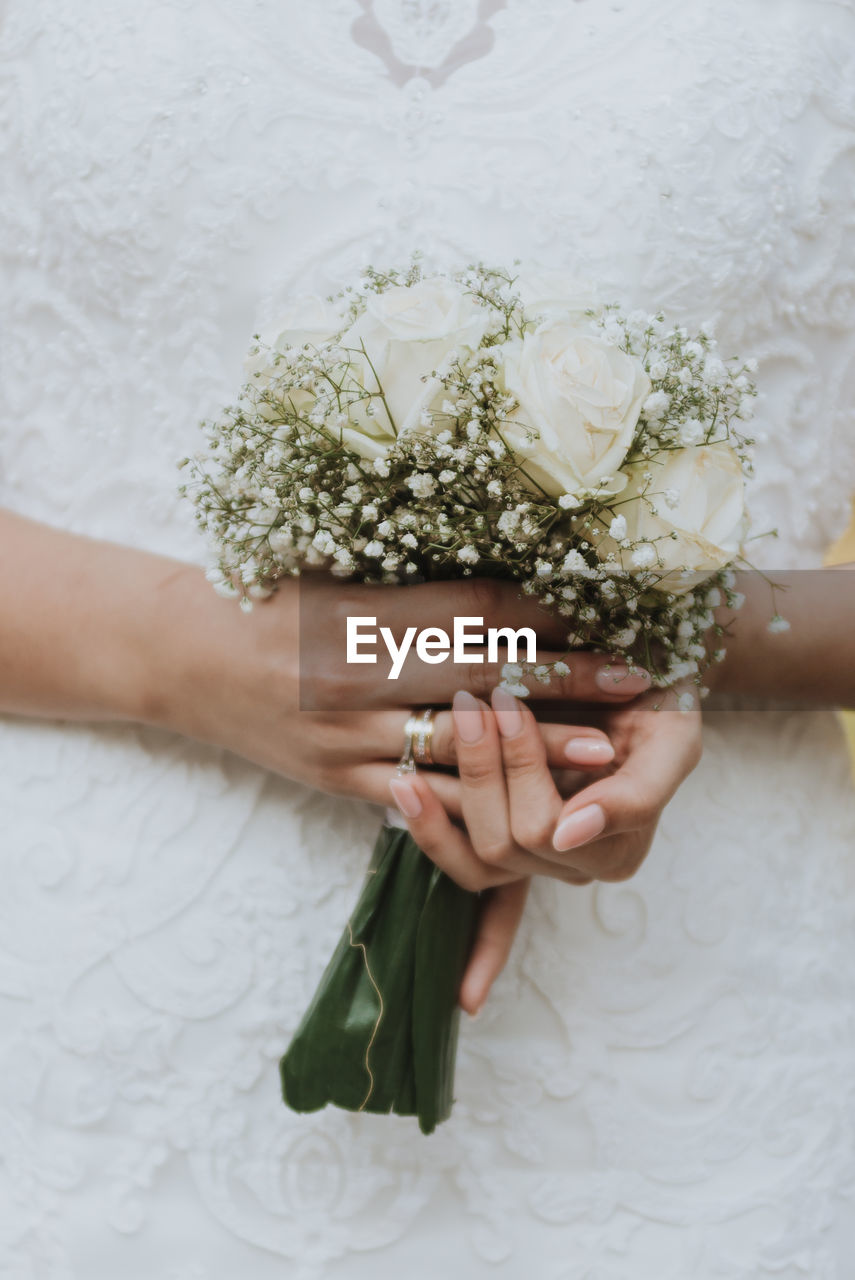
(516, 824)
(237, 680)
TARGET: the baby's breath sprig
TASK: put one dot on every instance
(325, 462)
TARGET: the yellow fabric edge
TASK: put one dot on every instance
(843, 551)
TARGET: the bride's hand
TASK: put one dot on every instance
(122, 634)
(238, 680)
(517, 824)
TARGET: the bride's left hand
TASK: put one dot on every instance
(517, 824)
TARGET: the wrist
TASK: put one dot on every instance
(170, 643)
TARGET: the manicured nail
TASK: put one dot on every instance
(589, 751)
(468, 720)
(507, 709)
(406, 797)
(616, 679)
(579, 828)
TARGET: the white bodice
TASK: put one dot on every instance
(661, 1084)
(172, 171)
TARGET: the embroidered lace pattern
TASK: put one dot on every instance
(661, 1085)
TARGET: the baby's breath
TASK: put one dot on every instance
(279, 488)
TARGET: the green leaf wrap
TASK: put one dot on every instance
(380, 1033)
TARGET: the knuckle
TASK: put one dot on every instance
(465, 880)
(570, 876)
(324, 739)
(523, 765)
(330, 688)
(623, 863)
(485, 597)
(493, 852)
(646, 813)
(532, 833)
(282, 663)
(474, 879)
(569, 688)
(340, 605)
(443, 747)
(614, 870)
(475, 770)
(427, 843)
(643, 809)
(330, 778)
(481, 680)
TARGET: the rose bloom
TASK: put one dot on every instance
(407, 332)
(547, 292)
(583, 396)
(706, 511)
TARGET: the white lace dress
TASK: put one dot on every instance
(663, 1082)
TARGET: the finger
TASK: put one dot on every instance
(482, 782)
(586, 747)
(533, 801)
(592, 677)
(381, 736)
(421, 801)
(371, 782)
(499, 919)
(581, 746)
(618, 857)
(438, 837)
(662, 751)
(333, 676)
(484, 795)
(628, 801)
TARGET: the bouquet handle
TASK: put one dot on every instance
(380, 1033)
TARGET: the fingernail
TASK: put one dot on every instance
(406, 797)
(507, 709)
(616, 679)
(579, 827)
(589, 751)
(468, 720)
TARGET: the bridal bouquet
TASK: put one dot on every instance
(425, 426)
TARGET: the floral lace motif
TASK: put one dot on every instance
(429, 37)
(661, 1085)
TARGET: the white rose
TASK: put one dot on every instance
(547, 293)
(705, 508)
(408, 332)
(433, 310)
(583, 395)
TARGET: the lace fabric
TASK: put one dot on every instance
(696, 161)
(661, 1084)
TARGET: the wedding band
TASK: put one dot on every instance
(418, 732)
(423, 736)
